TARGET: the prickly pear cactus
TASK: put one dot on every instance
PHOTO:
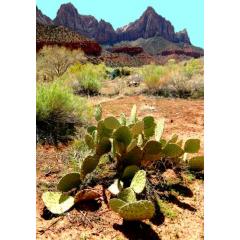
(88, 165)
(127, 195)
(136, 211)
(69, 181)
(192, 146)
(98, 113)
(196, 163)
(130, 171)
(139, 181)
(115, 204)
(57, 203)
(173, 150)
(111, 123)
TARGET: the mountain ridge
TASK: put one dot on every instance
(149, 24)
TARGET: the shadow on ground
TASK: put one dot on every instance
(137, 230)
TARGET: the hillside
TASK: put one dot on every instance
(50, 35)
(160, 46)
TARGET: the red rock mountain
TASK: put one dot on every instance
(150, 24)
(41, 18)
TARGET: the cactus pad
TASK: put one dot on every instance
(137, 128)
(88, 165)
(139, 181)
(196, 163)
(123, 135)
(152, 147)
(98, 113)
(103, 131)
(136, 211)
(133, 116)
(134, 157)
(123, 120)
(159, 129)
(111, 123)
(104, 146)
(127, 195)
(68, 182)
(149, 126)
(115, 204)
(89, 141)
(173, 150)
(130, 171)
(57, 203)
(192, 146)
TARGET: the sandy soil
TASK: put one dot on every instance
(96, 221)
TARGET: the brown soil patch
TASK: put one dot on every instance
(95, 220)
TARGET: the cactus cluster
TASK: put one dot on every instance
(132, 144)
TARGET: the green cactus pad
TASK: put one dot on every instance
(89, 141)
(134, 157)
(68, 182)
(196, 163)
(152, 147)
(123, 120)
(149, 126)
(133, 116)
(104, 146)
(173, 139)
(180, 143)
(98, 113)
(173, 150)
(88, 165)
(159, 129)
(127, 195)
(139, 181)
(132, 145)
(90, 129)
(137, 128)
(163, 142)
(56, 202)
(111, 123)
(123, 135)
(130, 171)
(103, 131)
(115, 204)
(116, 187)
(95, 136)
(136, 211)
(192, 146)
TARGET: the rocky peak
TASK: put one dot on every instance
(41, 18)
(182, 36)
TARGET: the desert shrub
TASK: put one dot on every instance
(53, 61)
(181, 80)
(59, 112)
(153, 77)
(119, 72)
(128, 156)
(87, 78)
(193, 67)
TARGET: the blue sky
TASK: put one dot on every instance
(187, 14)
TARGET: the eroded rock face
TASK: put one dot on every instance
(61, 36)
(132, 51)
(41, 18)
(101, 31)
(150, 24)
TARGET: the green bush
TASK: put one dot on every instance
(53, 61)
(153, 77)
(59, 112)
(87, 78)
